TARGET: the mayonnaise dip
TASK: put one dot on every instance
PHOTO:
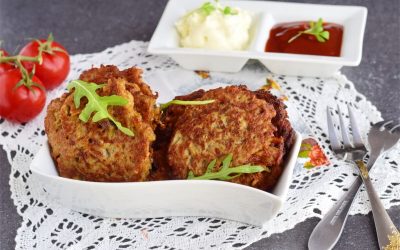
(221, 28)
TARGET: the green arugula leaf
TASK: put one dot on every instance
(325, 34)
(96, 104)
(319, 26)
(229, 11)
(227, 162)
(226, 172)
(320, 39)
(208, 7)
(316, 29)
(211, 166)
(180, 102)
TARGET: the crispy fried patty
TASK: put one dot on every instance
(252, 126)
(99, 151)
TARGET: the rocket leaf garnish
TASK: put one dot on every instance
(96, 104)
(226, 172)
(209, 7)
(316, 29)
(181, 102)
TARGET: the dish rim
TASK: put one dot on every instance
(290, 160)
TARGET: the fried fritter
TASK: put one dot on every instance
(252, 126)
(99, 151)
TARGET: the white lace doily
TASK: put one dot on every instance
(312, 192)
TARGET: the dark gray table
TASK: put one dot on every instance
(91, 26)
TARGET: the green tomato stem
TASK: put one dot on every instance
(26, 78)
(43, 47)
(5, 59)
(24, 72)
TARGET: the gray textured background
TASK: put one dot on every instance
(91, 26)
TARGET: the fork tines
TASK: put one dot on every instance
(334, 139)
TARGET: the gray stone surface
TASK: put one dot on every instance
(91, 26)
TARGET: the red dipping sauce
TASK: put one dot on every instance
(305, 44)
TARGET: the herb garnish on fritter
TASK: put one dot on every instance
(226, 172)
(97, 104)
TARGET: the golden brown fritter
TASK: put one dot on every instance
(240, 122)
(281, 121)
(143, 97)
(99, 151)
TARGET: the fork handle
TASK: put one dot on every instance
(328, 231)
(383, 224)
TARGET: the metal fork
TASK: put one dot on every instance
(381, 137)
(354, 152)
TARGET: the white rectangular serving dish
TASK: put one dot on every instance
(266, 14)
(165, 198)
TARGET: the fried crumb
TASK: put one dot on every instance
(203, 74)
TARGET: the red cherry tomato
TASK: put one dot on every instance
(55, 66)
(20, 104)
(5, 66)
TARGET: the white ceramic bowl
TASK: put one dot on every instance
(266, 14)
(165, 198)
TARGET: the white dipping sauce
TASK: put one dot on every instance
(215, 30)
